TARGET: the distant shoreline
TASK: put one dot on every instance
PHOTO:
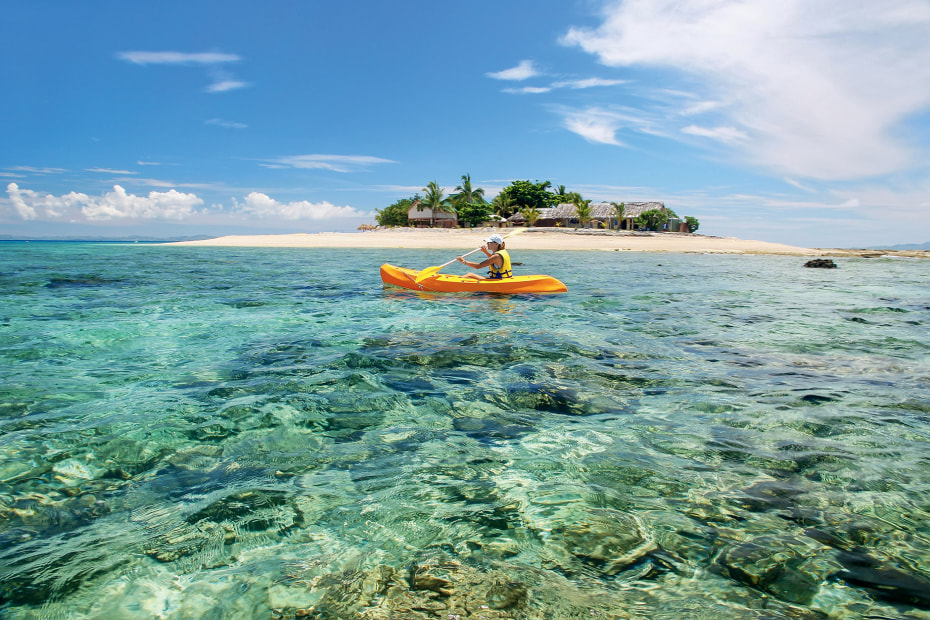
(538, 239)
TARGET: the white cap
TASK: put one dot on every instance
(495, 238)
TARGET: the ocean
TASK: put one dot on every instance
(270, 433)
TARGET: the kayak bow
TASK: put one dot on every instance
(442, 283)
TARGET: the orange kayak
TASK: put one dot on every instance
(442, 283)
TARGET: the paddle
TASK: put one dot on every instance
(431, 271)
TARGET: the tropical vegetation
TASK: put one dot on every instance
(654, 219)
(583, 209)
(526, 197)
(396, 214)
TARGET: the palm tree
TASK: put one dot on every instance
(435, 202)
(503, 205)
(465, 194)
(619, 210)
(531, 214)
(583, 207)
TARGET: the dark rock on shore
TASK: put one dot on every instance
(820, 263)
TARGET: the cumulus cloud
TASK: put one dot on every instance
(263, 206)
(115, 205)
(335, 163)
(819, 89)
(522, 71)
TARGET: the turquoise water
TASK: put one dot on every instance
(269, 433)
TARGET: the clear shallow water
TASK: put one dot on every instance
(257, 433)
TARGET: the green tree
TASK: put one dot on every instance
(653, 219)
(619, 212)
(466, 194)
(474, 213)
(583, 209)
(530, 214)
(396, 214)
(503, 205)
(692, 223)
(526, 194)
(435, 201)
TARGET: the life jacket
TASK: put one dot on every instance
(499, 273)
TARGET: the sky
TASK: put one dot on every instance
(799, 121)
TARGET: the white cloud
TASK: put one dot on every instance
(601, 125)
(335, 163)
(109, 171)
(723, 134)
(225, 86)
(117, 204)
(595, 125)
(176, 58)
(573, 84)
(221, 80)
(33, 170)
(528, 90)
(227, 124)
(820, 89)
(700, 107)
(800, 186)
(263, 206)
(522, 71)
(587, 83)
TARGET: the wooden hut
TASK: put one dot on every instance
(421, 216)
(603, 215)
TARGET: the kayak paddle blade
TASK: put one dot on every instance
(429, 272)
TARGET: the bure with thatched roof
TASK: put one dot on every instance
(566, 214)
(421, 216)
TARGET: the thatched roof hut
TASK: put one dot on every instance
(566, 214)
(421, 216)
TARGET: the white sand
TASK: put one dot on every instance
(524, 239)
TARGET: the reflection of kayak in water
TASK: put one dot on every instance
(442, 283)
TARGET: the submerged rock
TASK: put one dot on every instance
(608, 540)
(884, 581)
(790, 568)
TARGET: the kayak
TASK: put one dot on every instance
(442, 283)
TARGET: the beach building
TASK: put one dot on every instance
(603, 215)
(421, 216)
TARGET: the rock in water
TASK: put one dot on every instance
(821, 263)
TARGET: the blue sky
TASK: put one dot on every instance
(799, 121)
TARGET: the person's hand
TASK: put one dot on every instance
(460, 259)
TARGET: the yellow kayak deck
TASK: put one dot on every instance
(442, 283)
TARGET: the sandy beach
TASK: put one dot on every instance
(536, 239)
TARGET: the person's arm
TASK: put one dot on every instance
(485, 263)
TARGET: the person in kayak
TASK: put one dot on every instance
(497, 261)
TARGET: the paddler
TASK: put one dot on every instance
(497, 261)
